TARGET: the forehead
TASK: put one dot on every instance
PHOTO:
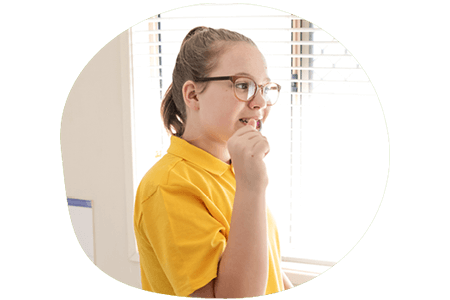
(239, 58)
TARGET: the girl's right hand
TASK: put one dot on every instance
(247, 148)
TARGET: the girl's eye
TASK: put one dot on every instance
(242, 86)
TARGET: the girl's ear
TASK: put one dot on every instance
(190, 95)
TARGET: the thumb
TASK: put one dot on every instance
(252, 123)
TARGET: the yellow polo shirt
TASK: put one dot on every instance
(182, 220)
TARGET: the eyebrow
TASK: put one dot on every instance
(247, 74)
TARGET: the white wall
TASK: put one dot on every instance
(94, 163)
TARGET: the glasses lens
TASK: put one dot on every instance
(245, 88)
(271, 93)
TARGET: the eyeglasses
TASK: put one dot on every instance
(246, 88)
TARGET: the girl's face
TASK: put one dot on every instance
(220, 111)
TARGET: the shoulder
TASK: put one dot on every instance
(170, 170)
(158, 174)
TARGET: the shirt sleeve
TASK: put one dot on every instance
(187, 240)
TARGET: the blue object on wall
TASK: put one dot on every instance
(79, 202)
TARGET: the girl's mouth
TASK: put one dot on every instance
(258, 123)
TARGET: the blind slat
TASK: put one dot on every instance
(234, 29)
(157, 19)
(256, 42)
(170, 67)
(267, 55)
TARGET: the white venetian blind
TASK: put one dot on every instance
(320, 158)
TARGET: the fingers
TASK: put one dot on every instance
(248, 142)
(244, 130)
(251, 126)
(248, 135)
(255, 144)
(261, 147)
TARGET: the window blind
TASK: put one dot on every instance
(309, 64)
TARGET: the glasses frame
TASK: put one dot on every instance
(259, 87)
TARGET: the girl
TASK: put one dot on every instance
(201, 222)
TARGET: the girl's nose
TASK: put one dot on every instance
(258, 100)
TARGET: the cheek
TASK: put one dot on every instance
(221, 107)
(266, 113)
(228, 107)
(227, 114)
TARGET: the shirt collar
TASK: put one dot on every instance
(200, 157)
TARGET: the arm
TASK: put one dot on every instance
(243, 267)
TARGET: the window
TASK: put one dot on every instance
(329, 155)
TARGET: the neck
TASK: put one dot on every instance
(213, 147)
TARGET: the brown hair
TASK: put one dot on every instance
(198, 56)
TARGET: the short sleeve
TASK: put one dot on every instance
(186, 239)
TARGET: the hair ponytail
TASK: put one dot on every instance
(198, 56)
(172, 118)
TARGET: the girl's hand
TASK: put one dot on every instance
(247, 148)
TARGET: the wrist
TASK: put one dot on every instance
(251, 190)
(256, 188)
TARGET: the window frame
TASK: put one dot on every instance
(298, 270)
